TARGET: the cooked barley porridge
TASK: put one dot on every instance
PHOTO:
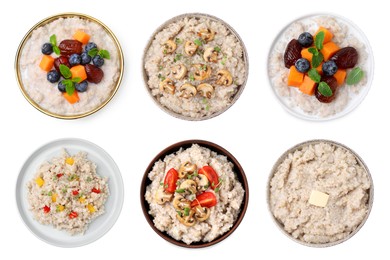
(194, 195)
(298, 98)
(67, 193)
(195, 66)
(35, 67)
(320, 193)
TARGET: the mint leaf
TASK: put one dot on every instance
(53, 40)
(56, 50)
(93, 52)
(65, 71)
(76, 80)
(355, 76)
(319, 41)
(324, 89)
(198, 42)
(313, 50)
(69, 86)
(317, 59)
(104, 54)
(314, 75)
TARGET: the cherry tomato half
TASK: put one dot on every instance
(60, 175)
(46, 209)
(170, 180)
(73, 214)
(211, 175)
(206, 199)
(95, 190)
(75, 192)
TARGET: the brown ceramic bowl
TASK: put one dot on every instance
(370, 192)
(215, 148)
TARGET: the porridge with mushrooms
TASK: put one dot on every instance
(194, 195)
(195, 66)
(69, 66)
(67, 193)
(319, 65)
(320, 193)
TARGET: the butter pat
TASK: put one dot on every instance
(318, 198)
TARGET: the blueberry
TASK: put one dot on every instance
(53, 76)
(98, 61)
(329, 68)
(47, 48)
(302, 65)
(61, 87)
(90, 46)
(74, 59)
(305, 39)
(85, 58)
(82, 86)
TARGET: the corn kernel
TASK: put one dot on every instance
(39, 181)
(91, 208)
(69, 160)
(60, 208)
(54, 197)
(82, 200)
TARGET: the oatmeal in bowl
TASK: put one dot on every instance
(320, 67)
(195, 66)
(69, 65)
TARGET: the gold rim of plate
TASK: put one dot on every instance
(47, 21)
(196, 15)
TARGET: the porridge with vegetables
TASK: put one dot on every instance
(69, 66)
(195, 67)
(320, 193)
(67, 193)
(318, 65)
(194, 195)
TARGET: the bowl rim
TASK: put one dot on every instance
(173, 149)
(360, 162)
(48, 20)
(195, 15)
(346, 110)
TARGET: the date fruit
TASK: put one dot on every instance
(292, 53)
(94, 74)
(332, 83)
(61, 60)
(69, 47)
(345, 58)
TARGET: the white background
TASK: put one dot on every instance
(132, 129)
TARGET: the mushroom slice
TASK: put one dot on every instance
(187, 217)
(180, 203)
(188, 187)
(202, 182)
(161, 196)
(202, 71)
(210, 55)
(206, 90)
(201, 213)
(187, 91)
(187, 167)
(207, 34)
(169, 47)
(190, 48)
(224, 78)
(179, 71)
(167, 86)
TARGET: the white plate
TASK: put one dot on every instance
(291, 95)
(105, 167)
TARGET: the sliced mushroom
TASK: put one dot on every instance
(161, 196)
(202, 182)
(167, 86)
(201, 213)
(190, 48)
(188, 186)
(207, 34)
(187, 168)
(224, 78)
(187, 91)
(180, 203)
(202, 71)
(210, 55)
(169, 47)
(206, 90)
(187, 219)
(179, 71)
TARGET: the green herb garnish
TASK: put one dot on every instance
(191, 77)
(224, 59)
(324, 89)
(93, 52)
(53, 41)
(217, 189)
(355, 76)
(161, 183)
(179, 213)
(319, 40)
(317, 59)
(180, 190)
(186, 211)
(49, 193)
(65, 71)
(217, 48)
(314, 75)
(198, 42)
(177, 57)
(178, 41)
(64, 190)
(104, 54)
(89, 179)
